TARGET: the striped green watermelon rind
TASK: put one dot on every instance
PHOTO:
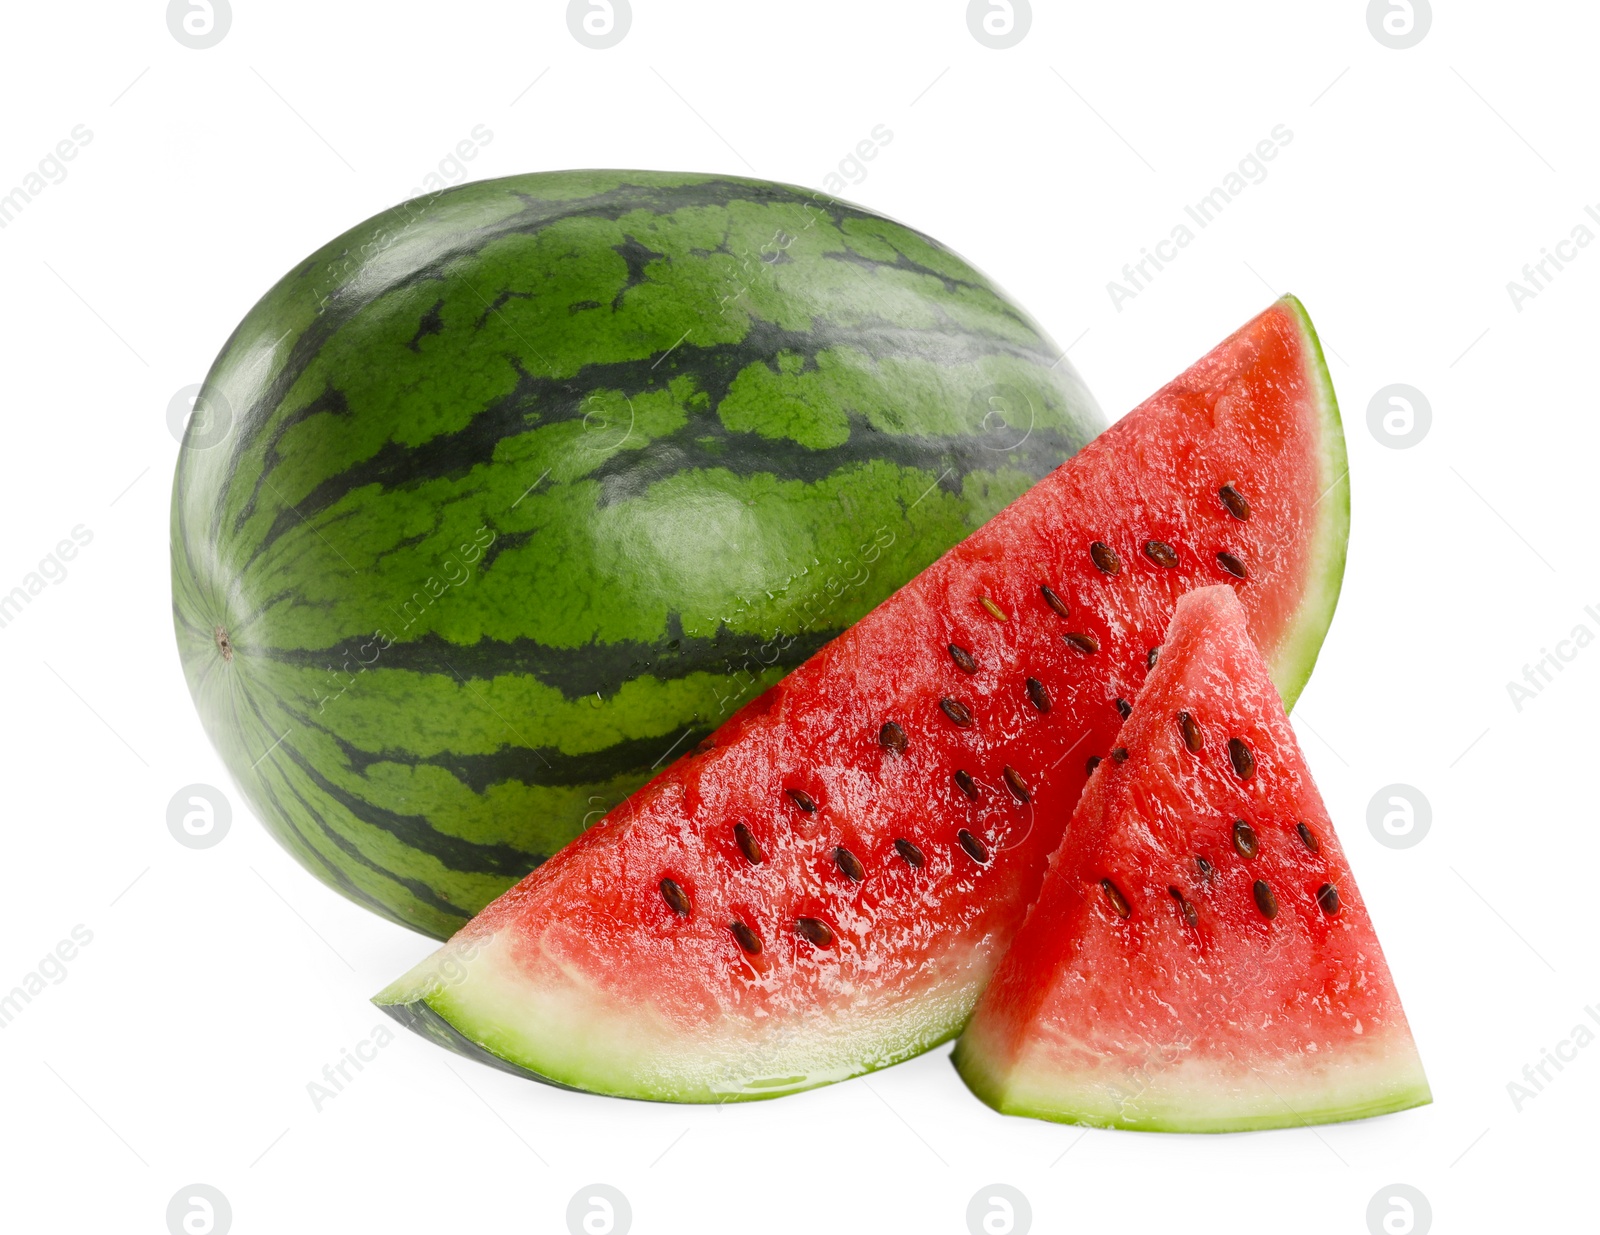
(465, 998)
(1212, 1018)
(582, 974)
(422, 1019)
(532, 482)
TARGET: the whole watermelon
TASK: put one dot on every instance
(499, 502)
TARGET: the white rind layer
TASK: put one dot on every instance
(1075, 1083)
(1292, 660)
(564, 1029)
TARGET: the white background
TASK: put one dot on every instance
(219, 982)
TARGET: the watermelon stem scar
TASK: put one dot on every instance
(906, 786)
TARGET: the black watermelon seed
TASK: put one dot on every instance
(1328, 899)
(1118, 902)
(1185, 908)
(1190, 728)
(1161, 553)
(1234, 501)
(1151, 657)
(1054, 601)
(849, 864)
(815, 931)
(677, 899)
(1244, 761)
(1124, 708)
(956, 711)
(909, 852)
(1085, 643)
(1308, 838)
(892, 737)
(966, 784)
(802, 799)
(1265, 900)
(1232, 565)
(976, 849)
(748, 939)
(747, 844)
(1119, 754)
(1245, 840)
(1105, 557)
(963, 659)
(1038, 694)
(1015, 783)
(1204, 867)
(1091, 764)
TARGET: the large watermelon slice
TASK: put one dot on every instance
(1199, 959)
(826, 886)
(512, 493)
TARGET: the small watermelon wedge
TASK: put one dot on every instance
(1199, 959)
(824, 887)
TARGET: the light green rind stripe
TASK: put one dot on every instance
(1297, 651)
(567, 1034)
(1357, 1081)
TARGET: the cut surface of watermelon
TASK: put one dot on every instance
(1199, 958)
(825, 886)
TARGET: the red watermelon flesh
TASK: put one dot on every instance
(826, 886)
(1199, 958)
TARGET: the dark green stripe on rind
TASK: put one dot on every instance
(425, 1022)
(601, 668)
(541, 403)
(533, 482)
